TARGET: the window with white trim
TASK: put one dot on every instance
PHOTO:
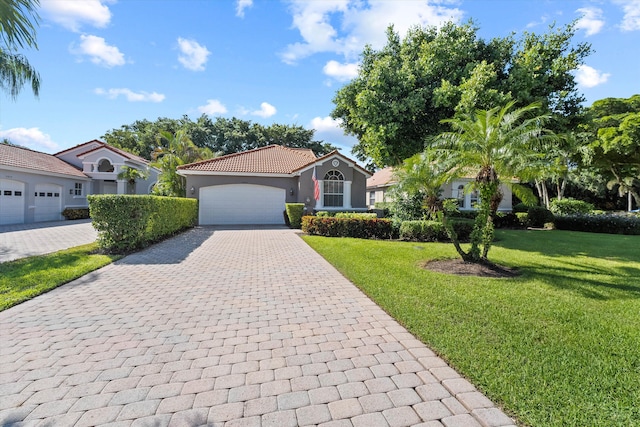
(372, 198)
(333, 186)
(77, 190)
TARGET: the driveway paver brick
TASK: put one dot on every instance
(222, 327)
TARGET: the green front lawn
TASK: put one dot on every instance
(23, 279)
(557, 346)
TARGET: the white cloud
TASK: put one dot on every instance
(266, 110)
(130, 95)
(590, 77)
(32, 138)
(591, 20)
(73, 14)
(193, 55)
(241, 5)
(212, 108)
(340, 72)
(631, 18)
(360, 23)
(329, 130)
(98, 51)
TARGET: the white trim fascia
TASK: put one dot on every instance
(45, 173)
(261, 175)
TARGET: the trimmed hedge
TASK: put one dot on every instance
(76, 213)
(294, 213)
(611, 224)
(129, 222)
(570, 206)
(372, 228)
(538, 216)
(434, 231)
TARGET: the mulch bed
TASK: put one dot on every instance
(461, 268)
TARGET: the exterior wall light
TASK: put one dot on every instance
(193, 190)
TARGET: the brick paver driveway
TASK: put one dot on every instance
(223, 327)
(23, 240)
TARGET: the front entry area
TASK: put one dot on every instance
(232, 204)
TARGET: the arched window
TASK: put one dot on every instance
(105, 166)
(334, 189)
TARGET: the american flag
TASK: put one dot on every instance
(316, 186)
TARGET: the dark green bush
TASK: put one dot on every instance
(520, 208)
(434, 231)
(570, 207)
(76, 213)
(294, 213)
(373, 228)
(508, 220)
(128, 222)
(538, 216)
(612, 224)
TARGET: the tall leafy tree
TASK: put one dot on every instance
(404, 90)
(614, 147)
(18, 21)
(495, 145)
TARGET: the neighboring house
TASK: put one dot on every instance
(381, 181)
(37, 187)
(253, 186)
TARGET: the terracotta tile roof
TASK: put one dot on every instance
(101, 145)
(274, 159)
(382, 178)
(20, 157)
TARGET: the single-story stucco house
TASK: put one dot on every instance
(380, 182)
(36, 186)
(252, 187)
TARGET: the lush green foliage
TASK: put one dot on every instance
(125, 223)
(538, 216)
(495, 145)
(76, 213)
(556, 346)
(570, 206)
(612, 224)
(614, 148)
(434, 231)
(222, 135)
(355, 215)
(18, 19)
(23, 279)
(404, 90)
(372, 228)
(294, 213)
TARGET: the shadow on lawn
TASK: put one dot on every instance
(171, 251)
(590, 281)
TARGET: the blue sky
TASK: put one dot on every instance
(107, 63)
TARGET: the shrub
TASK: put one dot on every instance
(538, 216)
(294, 213)
(373, 228)
(570, 207)
(76, 213)
(128, 222)
(434, 231)
(323, 214)
(520, 208)
(355, 215)
(422, 231)
(508, 220)
(612, 224)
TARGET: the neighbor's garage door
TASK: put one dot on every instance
(48, 203)
(241, 204)
(11, 202)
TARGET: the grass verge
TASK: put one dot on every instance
(25, 278)
(556, 346)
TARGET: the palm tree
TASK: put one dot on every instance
(496, 145)
(17, 32)
(179, 150)
(421, 175)
(132, 174)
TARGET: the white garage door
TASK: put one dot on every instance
(11, 202)
(241, 204)
(48, 203)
